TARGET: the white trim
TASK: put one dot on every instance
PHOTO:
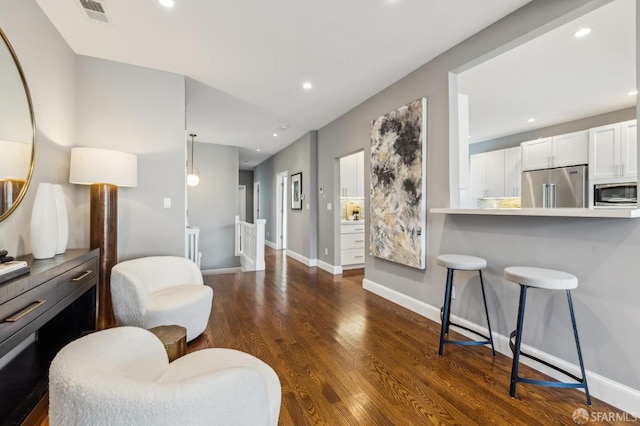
(270, 244)
(335, 270)
(603, 388)
(353, 266)
(302, 259)
(221, 271)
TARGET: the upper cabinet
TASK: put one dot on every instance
(558, 151)
(512, 171)
(487, 174)
(352, 175)
(612, 151)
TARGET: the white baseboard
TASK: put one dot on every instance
(221, 271)
(302, 259)
(620, 396)
(335, 270)
(270, 244)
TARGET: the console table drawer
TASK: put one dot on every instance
(77, 278)
(26, 308)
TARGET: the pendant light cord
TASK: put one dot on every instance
(193, 146)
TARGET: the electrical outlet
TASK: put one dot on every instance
(453, 292)
(166, 202)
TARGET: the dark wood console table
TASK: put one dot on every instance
(55, 303)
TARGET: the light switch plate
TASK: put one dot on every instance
(167, 203)
(329, 206)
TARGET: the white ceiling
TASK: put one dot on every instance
(556, 77)
(246, 59)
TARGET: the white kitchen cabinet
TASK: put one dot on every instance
(487, 174)
(512, 171)
(613, 151)
(352, 243)
(352, 175)
(536, 154)
(360, 174)
(571, 149)
(559, 151)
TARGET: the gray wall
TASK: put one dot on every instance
(81, 101)
(140, 111)
(558, 129)
(601, 252)
(246, 179)
(49, 67)
(213, 204)
(301, 224)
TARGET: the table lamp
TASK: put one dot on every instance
(15, 166)
(105, 171)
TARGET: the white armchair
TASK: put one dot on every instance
(161, 290)
(122, 376)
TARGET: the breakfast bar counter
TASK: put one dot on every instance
(619, 213)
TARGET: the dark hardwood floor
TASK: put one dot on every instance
(348, 357)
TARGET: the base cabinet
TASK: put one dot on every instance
(352, 244)
(42, 311)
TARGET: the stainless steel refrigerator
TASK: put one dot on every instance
(559, 187)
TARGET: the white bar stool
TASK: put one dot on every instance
(549, 279)
(462, 263)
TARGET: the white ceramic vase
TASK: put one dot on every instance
(44, 223)
(63, 219)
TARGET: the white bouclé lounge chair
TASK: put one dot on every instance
(161, 290)
(122, 376)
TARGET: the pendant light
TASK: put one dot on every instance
(192, 178)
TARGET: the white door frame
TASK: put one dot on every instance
(281, 210)
(242, 202)
(256, 201)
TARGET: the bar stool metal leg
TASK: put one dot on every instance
(446, 310)
(486, 311)
(445, 313)
(575, 333)
(518, 343)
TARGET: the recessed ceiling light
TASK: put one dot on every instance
(633, 93)
(531, 120)
(284, 127)
(307, 86)
(582, 32)
(258, 149)
(275, 135)
(166, 3)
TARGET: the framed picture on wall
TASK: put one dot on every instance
(296, 191)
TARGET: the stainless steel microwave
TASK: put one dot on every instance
(615, 194)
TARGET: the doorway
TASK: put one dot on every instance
(256, 201)
(242, 202)
(281, 210)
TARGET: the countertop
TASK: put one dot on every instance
(550, 212)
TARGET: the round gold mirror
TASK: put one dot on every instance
(17, 131)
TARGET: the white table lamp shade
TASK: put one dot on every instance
(15, 160)
(93, 165)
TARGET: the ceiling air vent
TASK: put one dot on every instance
(94, 10)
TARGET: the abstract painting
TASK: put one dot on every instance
(398, 185)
